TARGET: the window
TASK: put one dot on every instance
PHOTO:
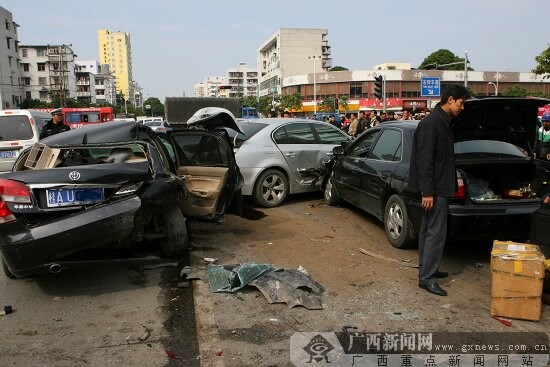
(41, 52)
(25, 66)
(27, 81)
(28, 95)
(294, 134)
(41, 66)
(8, 24)
(43, 94)
(362, 147)
(42, 81)
(24, 52)
(8, 42)
(356, 89)
(329, 135)
(388, 147)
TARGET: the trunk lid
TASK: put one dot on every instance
(509, 119)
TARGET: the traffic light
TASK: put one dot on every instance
(336, 104)
(379, 86)
(224, 87)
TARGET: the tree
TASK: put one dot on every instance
(440, 57)
(33, 103)
(265, 104)
(157, 108)
(338, 68)
(327, 105)
(291, 101)
(543, 64)
(515, 91)
(344, 102)
(249, 101)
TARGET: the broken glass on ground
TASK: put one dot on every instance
(289, 286)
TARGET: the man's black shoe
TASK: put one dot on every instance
(433, 288)
(440, 274)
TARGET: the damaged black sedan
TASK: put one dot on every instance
(110, 185)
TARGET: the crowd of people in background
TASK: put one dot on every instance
(355, 124)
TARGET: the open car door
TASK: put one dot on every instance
(206, 163)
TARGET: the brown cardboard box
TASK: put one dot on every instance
(517, 275)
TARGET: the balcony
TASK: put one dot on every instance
(83, 82)
(83, 94)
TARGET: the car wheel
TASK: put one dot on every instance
(176, 239)
(7, 271)
(396, 223)
(331, 197)
(271, 188)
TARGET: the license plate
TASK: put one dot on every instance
(8, 153)
(69, 197)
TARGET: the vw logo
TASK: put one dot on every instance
(74, 175)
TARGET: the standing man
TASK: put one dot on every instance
(542, 147)
(55, 125)
(433, 174)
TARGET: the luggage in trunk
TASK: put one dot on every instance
(540, 227)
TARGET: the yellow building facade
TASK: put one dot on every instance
(116, 51)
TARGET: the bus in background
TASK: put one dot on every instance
(81, 116)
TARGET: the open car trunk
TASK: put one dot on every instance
(503, 182)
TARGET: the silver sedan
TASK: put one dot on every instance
(282, 156)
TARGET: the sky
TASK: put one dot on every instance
(176, 43)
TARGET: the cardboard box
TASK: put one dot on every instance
(517, 271)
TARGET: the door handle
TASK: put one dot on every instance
(290, 154)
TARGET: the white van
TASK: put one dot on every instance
(19, 129)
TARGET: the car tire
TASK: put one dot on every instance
(176, 239)
(270, 189)
(331, 197)
(7, 271)
(396, 223)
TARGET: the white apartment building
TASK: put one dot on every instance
(86, 71)
(211, 85)
(11, 90)
(242, 81)
(105, 85)
(48, 71)
(198, 90)
(291, 51)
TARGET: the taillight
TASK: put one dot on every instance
(460, 189)
(14, 191)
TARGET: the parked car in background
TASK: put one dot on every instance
(281, 156)
(19, 129)
(157, 124)
(111, 185)
(499, 185)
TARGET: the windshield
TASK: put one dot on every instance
(15, 127)
(487, 148)
(249, 128)
(152, 123)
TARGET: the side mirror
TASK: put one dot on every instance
(338, 150)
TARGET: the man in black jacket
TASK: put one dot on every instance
(433, 174)
(55, 125)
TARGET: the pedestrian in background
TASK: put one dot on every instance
(432, 173)
(55, 125)
(542, 147)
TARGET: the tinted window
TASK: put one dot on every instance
(294, 134)
(249, 128)
(16, 127)
(388, 146)
(329, 135)
(483, 148)
(152, 123)
(200, 150)
(363, 145)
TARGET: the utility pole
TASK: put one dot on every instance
(465, 69)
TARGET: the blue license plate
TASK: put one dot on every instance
(8, 153)
(70, 197)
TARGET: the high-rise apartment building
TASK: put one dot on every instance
(48, 72)
(116, 51)
(291, 51)
(11, 90)
(242, 81)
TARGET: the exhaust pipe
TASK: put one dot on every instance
(55, 268)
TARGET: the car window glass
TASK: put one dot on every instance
(15, 127)
(200, 150)
(482, 148)
(363, 145)
(387, 146)
(329, 135)
(294, 134)
(169, 147)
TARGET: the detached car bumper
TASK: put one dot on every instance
(31, 250)
(500, 222)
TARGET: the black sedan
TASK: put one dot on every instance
(499, 184)
(114, 185)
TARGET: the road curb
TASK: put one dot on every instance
(207, 329)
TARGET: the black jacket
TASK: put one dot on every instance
(432, 169)
(51, 129)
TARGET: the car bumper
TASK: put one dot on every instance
(31, 250)
(490, 223)
(249, 177)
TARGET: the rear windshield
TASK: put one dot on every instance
(487, 148)
(15, 127)
(250, 128)
(152, 123)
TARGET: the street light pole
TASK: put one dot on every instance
(498, 77)
(314, 59)
(465, 69)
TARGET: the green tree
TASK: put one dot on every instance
(337, 68)
(249, 101)
(443, 56)
(157, 108)
(34, 103)
(327, 105)
(515, 91)
(543, 64)
(265, 105)
(344, 102)
(291, 101)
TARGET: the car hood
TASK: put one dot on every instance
(104, 133)
(512, 119)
